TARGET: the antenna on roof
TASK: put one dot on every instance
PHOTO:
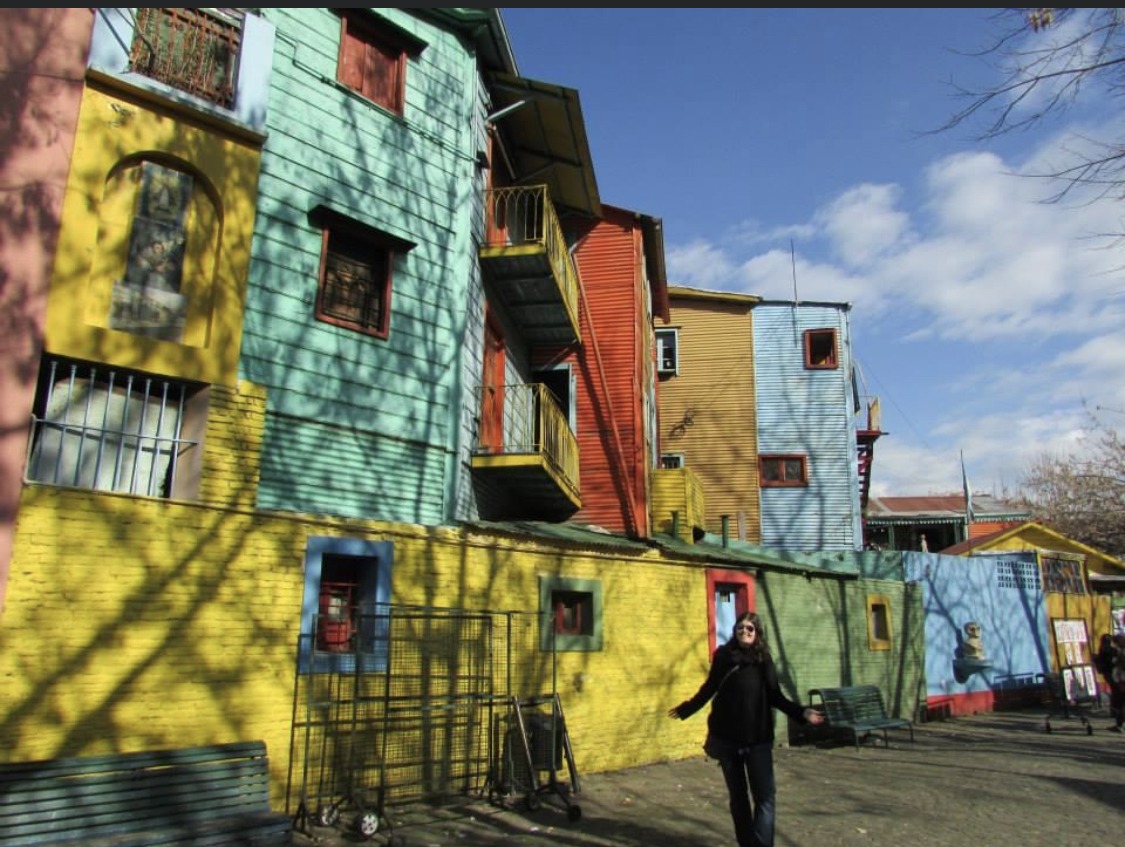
(793, 264)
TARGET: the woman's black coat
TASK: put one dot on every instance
(743, 692)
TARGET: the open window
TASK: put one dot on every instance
(667, 352)
(820, 349)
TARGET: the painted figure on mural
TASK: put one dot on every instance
(973, 647)
(743, 689)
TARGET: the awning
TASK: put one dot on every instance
(544, 138)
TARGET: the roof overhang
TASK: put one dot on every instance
(544, 137)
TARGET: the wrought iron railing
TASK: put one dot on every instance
(525, 215)
(187, 49)
(535, 425)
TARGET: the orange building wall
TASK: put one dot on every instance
(610, 377)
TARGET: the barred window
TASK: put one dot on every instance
(190, 49)
(109, 429)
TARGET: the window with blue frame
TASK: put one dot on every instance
(346, 604)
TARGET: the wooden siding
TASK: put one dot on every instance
(396, 402)
(707, 410)
(811, 413)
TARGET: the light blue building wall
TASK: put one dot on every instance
(359, 425)
(808, 412)
(1001, 593)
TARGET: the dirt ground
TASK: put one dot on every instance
(994, 779)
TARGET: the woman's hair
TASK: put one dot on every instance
(760, 650)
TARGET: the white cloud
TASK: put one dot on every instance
(862, 223)
(1004, 316)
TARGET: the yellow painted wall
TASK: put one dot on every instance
(113, 134)
(707, 410)
(139, 624)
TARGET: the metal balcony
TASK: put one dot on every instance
(531, 460)
(525, 257)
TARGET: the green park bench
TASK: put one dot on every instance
(216, 795)
(857, 710)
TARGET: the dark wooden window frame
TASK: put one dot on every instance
(813, 340)
(380, 260)
(783, 481)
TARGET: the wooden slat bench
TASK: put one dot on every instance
(857, 710)
(200, 796)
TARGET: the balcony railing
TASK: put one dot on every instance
(535, 427)
(187, 49)
(522, 221)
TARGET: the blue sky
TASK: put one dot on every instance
(983, 318)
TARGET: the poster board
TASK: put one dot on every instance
(1072, 651)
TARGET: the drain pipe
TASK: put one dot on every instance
(726, 530)
(675, 524)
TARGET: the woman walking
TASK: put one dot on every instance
(743, 684)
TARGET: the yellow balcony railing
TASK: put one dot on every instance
(535, 428)
(521, 220)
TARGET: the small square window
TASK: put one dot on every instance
(671, 461)
(667, 352)
(372, 62)
(820, 349)
(782, 471)
(355, 283)
(571, 614)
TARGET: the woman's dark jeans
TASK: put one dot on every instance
(749, 774)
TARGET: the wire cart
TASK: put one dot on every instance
(538, 742)
(397, 704)
(1074, 690)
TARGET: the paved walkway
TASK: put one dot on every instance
(997, 780)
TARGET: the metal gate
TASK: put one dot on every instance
(410, 706)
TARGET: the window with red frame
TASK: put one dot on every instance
(355, 283)
(783, 471)
(372, 62)
(820, 348)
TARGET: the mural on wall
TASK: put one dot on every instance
(148, 301)
(985, 619)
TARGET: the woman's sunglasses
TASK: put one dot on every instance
(746, 627)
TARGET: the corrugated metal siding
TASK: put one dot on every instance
(707, 410)
(808, 412)
(411, 178)
(606, 264)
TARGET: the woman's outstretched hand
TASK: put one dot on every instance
(813, 716)
(674, 712)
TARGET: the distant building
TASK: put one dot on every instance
(935, 522)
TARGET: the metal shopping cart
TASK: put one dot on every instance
(1073, 691)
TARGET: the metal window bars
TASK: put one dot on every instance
(108, 430)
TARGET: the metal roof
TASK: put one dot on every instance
(545, 139)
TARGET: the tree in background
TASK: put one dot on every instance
(1082, 494)
(1047, 59)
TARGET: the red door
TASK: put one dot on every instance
(492, 399)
